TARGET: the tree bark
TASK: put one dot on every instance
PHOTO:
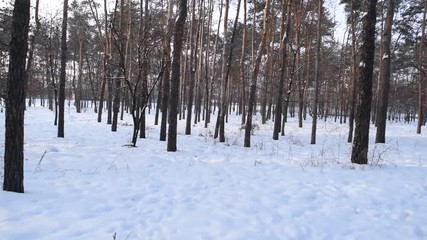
(166, 75)
(61, 97)
(192, 70)
(226, 70)
(252, 93)
(317, 72)
(359, 151)
(385, 75)
(13, 179)
(175, 78)
(242, 65)
(353, 96)
(29, 70)
(284, 53)
(421, 83)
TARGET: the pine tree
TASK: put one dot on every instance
(15, 102)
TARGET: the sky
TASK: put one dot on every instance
(52, 7)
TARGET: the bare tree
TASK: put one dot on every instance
(15, 102)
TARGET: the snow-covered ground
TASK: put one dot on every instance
(89, 186)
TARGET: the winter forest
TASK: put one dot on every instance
(213, 119)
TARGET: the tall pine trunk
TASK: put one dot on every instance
(385, 74)
(284, 53)
(421, 83)
(317, 72)
(353, 96)
(176, 74)
(359, 151)
(13, 179)
(29, 70)
(166, 75)
(61, 96)
(252, 92)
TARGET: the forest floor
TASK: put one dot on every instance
(90, 186)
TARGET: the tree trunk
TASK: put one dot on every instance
(385, 74)
(226, 70)
(242, 65)
(317, 72)
(13, 179)
(175, 78)
(29, 70)
(61, 96)
(421, 83)
(284, 53)
(166, 75)
(213, 75)
(79, 80)
(252, 93)
(353, 96)
(192, 70)
(359, 151)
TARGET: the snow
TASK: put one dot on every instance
(88, 186)
(362, 64)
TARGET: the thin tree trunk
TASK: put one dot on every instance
(353, 96)
(421, 83)
(166, 75)
(226, 70)
(213, 75)
(191, 68)
(29, 70)
(79, 80)
(242, 65)
(317, 72)
(61, 99)
(284, 53)
(252, 93)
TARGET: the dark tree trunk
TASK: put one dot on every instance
(317, 73)
(61, 97)
(359, 151)
(166, 75)
(15, 103)
(191, 68)
(284, 53)
(421, 83)
(385, 74)
(252, 92)
(175, 78)
(29, 71)
(353, 75)
(226, 68)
